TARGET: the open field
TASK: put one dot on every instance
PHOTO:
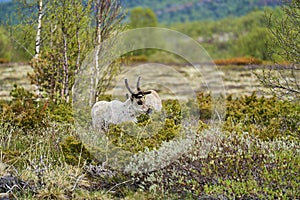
(237, 80)
(11, 74)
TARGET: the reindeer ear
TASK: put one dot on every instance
(147, 92)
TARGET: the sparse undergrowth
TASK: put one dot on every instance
(254, 155)
(237, 166)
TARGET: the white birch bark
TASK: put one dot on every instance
(39, 29)
(94, 81)
(66, 68)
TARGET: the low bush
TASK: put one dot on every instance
(235, 166)
(204, 106)
(166, 58)
(149, 134)
(75, 152)
(267, 118)
(173, 110)
(26, 111)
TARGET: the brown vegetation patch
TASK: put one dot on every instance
(3, 60)
(238, 61)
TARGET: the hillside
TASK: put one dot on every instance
(227, 37)
(172, 11)
(191, 10)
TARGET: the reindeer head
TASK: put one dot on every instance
(138, 98)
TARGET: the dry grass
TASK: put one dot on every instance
(238, 79)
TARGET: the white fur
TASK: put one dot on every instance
(153, 101)
(116, 112)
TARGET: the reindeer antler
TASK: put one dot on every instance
(127, 86)
(138, 84)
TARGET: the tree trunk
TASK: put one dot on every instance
(97, 42)
(39, 29)
(65, 69)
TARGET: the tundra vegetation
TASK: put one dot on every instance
(253, 154)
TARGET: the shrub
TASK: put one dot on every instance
(75, 152)
(244, 166)
(61, 112)
(204, 106)
(27, 111)
(147, 135)
(235, 166)
(166, 58)
(24, 111)
(173, 110)
(201, 109)
(151, 131)
(254, 155)
(267, 118)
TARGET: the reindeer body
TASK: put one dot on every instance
(153, 101)
(115, 112)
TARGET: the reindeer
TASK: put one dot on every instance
(115, 112)
(152, 100)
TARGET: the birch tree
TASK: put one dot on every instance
(58, 47)
(108, 16)
(65, 30)
(283, 80)
(39, 29)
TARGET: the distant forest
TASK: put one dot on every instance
(230, 28)
(173, 11)
(193, 10)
